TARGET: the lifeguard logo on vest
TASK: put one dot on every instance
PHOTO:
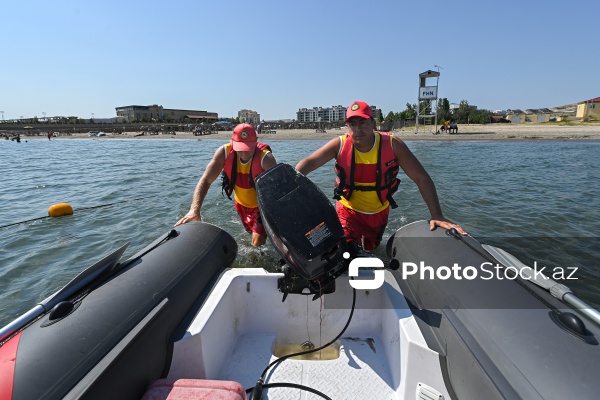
(354, 107)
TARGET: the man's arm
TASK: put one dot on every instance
(213, 169)
(320, 157)
(415, 171)
(268, 161)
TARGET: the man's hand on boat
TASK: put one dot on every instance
(445, 224)
(188, 218)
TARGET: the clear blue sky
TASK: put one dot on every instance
(68, 57)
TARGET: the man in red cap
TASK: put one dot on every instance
(241, 161)
(367, 164)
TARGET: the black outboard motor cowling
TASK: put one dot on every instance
(301, 223)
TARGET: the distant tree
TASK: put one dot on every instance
(390, 117)
(443, 110)
(409, 113)
(463, 112)
(480, 116)
(379, 118)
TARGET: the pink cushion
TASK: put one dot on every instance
(196, 389)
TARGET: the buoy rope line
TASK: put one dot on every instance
(79, 209)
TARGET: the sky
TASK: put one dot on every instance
(84, 58)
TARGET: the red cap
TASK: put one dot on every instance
(358, 109)
(244, 138)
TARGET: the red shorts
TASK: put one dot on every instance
(364, 230)
(250, 219)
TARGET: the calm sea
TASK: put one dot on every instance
(539, 200)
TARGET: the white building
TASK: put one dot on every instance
(249, 116)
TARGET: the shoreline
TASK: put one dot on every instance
(466, 132)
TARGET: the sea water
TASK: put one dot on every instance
(538, 200)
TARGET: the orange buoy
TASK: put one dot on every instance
(58, 210)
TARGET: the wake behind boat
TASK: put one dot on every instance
(175, 320)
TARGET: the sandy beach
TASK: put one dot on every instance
(466, 132)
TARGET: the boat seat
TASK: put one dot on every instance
(197, 389)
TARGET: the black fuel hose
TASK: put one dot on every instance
(256, 391)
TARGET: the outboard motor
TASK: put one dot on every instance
(303, 226)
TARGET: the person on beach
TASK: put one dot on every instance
(367, 164)
(453, 127)
(241, 161)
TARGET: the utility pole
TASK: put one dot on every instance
(437, 84)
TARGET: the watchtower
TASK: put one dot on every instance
(427, 95)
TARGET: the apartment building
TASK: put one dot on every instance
(323, 114)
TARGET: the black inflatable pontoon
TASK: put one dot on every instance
(110, 332)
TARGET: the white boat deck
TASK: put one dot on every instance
(382, 354)
(359, 371)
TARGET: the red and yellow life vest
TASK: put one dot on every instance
(238, 178)
(366, 181)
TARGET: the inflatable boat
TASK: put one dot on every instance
(175, 322)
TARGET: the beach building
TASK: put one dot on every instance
(325, 114)
(518, 116)
(158, 113)
(558, 114)
(249, 116)
(589, 109)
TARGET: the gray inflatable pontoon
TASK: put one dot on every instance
(497, 338)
